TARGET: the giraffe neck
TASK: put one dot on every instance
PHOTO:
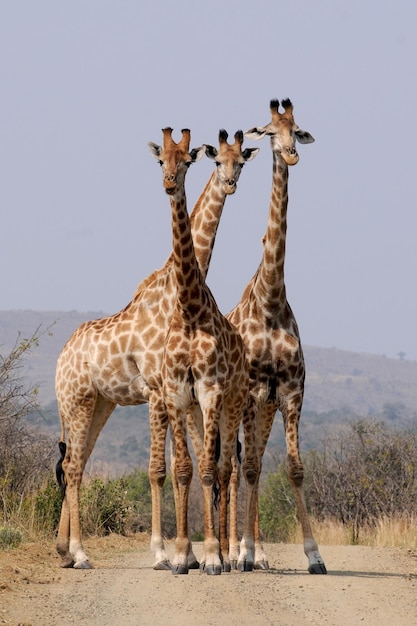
(270, 285)
(205, 219)
(187, 272)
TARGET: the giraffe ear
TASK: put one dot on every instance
(211, 151)
(303, 136)
(197, 153)
(250, 153)
(154, 149)
(256, 133)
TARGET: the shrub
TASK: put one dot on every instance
(123, 505)
(9, 537)
(369, 472)
(277, 512)
(47, 505)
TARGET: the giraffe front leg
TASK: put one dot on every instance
(192, 559)
(62, 545)
(315, 561)
(211, 563)
(157, 474)
(261, 559)
(223, 534)
(157, 479)
(80, 558)
(182, 477)
(196, 431)
(247, 555)
(228, 479)
(182, 466)
(296, 475)
(251, 472)
(233, 533)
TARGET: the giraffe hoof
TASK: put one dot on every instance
(233, 564)
(194, 565)
(315, 563)
(67, 563)
(264, 565)
(227, 567)
(83, 565)
(317, 568)
(213, 570)
(163, 566)
(180, 569)
(245, 566)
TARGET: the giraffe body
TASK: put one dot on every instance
(118, 360)
(268, 327)
(204, 375)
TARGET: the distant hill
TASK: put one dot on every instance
(339, 385)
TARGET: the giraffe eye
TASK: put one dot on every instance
(160, 163)
(217, 163)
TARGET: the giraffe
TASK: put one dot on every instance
(204, 374)
(117, 360)
(269, 329)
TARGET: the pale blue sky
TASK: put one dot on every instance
(86, 84)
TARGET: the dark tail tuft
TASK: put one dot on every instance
(238, 450)
(216, 495)
(60, 476)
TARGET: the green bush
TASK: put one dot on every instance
(277, 511)
(123, 506)
(104, 506)
(9, 537)
(48, 501)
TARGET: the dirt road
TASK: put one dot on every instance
(370, 586)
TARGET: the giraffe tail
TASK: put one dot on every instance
(59, 471)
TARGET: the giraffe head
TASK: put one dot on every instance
(283, 131)
(175, 158)
(229, 159)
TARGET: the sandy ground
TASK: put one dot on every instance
(370, 586)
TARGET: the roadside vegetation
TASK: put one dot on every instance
(361, 482)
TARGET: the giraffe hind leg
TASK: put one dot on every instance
(64, 524)
(296, 474)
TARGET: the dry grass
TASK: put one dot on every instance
(399, 532)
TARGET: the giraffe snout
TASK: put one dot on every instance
(290, 156)
(229, 186)
(170, 183)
